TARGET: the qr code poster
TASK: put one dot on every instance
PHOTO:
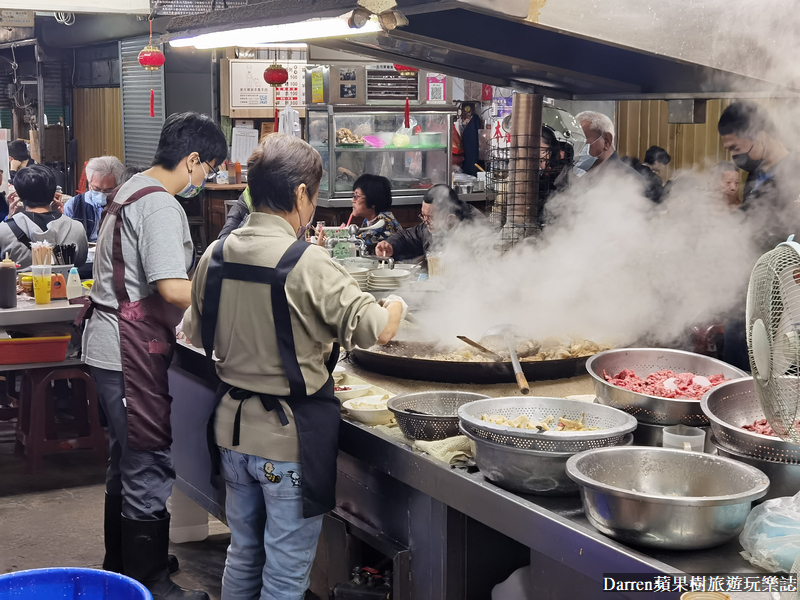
(437, 86)
(249, 90)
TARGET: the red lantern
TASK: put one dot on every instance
(276, 75)
(406, 71)
(152, 59)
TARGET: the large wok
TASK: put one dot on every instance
(445, 371)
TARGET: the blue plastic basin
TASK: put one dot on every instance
(68, 584)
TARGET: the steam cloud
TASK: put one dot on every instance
(613, 268)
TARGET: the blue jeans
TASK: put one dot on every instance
(272, 545)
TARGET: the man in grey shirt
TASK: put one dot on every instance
(36, 187)
(141, 288)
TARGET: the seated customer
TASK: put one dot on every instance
(19, 157)
(103, 175)
(442, 210)
(36, 186)
(372, 199)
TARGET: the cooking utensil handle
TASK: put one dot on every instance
(476, 345)
(522, 382)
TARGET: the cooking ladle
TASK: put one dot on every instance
(477, 346)
(509, 333)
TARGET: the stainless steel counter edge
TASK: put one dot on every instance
(582, 549)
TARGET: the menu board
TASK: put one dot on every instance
(249, 90)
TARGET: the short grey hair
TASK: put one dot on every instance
(598, 122)
(104, 166)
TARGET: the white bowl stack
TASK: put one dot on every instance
(387, 279)
(359, 274)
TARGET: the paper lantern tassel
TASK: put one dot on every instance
(152, 103)
(408, 115)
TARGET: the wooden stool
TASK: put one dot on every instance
(37, 431)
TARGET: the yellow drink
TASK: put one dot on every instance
(41, 288)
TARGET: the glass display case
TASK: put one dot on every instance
(356, 140)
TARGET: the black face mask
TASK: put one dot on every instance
(745, 163)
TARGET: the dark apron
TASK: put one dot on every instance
(316, 416)
(147, 344)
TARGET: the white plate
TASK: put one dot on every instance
(355, 391)
(389, 274)
(370, 416)
(356, 271)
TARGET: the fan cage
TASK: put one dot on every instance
(774, 299)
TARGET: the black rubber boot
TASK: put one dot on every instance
(172, 564)
(112, 533)
(144, 554)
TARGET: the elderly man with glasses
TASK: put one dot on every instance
(103, 175)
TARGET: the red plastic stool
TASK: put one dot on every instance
(38, 433)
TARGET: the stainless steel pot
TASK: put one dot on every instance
(669, 499)
(525, 471)
(643, 361)
(784, 478)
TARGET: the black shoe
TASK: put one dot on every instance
(145, 547)
(172, 564)
(112, 533)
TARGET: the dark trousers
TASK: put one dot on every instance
(143, 478)
(734, 347)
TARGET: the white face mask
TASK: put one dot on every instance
(96, 197)
(585, 160)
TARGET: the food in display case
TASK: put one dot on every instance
(345, 137)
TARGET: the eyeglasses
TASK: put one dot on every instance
(359, 197)
(214, 170)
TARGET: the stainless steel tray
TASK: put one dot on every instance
(735, 403)
(614, 424)
(643, 361)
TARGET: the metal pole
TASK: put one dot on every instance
(40, 101)
(526, 139)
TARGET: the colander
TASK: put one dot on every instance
(643, 362)
(735, 403)
(613, 424)
(430, 416)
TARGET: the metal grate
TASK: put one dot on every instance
(520, 179)
(140, 131)
(191, 7)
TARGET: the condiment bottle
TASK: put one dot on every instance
(74, 287)
(238, 172)
(231, 172)
(8, 283)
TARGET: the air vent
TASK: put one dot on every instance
(386, 84)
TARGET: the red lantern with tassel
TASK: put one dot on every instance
(276, 75)
(152, 59)
(406, 71)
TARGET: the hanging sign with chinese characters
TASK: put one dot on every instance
(250, 90)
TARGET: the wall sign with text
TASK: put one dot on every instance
(249, 90)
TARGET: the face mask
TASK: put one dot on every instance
(585, 160)
(191, 190)
(95, 197)
(745, 163)
(303, 228)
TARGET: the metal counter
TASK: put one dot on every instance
(451, 533)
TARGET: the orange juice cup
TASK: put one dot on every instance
(42, 282)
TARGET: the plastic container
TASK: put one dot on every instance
(238, 167)
(68, 584)
(431, 139)
(189, 522)
(684, 437)
(8, 283)
(17, 351)
(42, 283)
(74, 287)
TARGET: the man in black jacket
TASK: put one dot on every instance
(442, 210)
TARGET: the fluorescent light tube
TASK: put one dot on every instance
(272, 34)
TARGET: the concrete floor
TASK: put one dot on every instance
(54, 518)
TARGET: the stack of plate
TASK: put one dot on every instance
(387, 279)
(359, 274)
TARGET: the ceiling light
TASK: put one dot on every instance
(271, 34)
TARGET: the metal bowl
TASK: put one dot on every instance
(441, 413)
(613, 424)
(669, 499)
(643, 361)
(735, 403)
(784, 478)
(525, 471)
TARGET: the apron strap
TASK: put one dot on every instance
(218, 270)
(118, 262)
(21, 236)
(267, 401)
